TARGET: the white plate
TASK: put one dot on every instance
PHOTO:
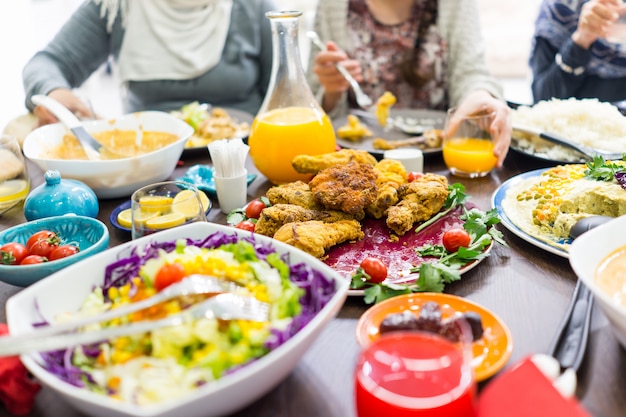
(496, 202)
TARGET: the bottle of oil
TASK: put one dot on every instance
(290, 122)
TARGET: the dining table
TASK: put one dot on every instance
(527, 287)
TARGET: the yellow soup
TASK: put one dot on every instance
(610, 276)
(469, 154)
(279, 135)
(115, 143)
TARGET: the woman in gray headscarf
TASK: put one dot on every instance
(166, 53)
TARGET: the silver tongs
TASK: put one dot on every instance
(225, 305)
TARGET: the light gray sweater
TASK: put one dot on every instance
(82, 45)
(458, 23)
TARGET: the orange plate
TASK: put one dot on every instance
(491, 352)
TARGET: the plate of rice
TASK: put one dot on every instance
(589, 122)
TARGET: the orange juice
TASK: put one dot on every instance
(278, 135)
(470, 156)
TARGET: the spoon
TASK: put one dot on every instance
(570, 344)
(65, 116)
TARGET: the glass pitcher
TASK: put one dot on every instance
(290, 122)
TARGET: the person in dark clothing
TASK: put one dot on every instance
(573, 54)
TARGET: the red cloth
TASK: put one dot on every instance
(17, 389)
(524, 391)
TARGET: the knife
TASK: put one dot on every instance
(65, 116)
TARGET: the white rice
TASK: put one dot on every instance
(591, 122)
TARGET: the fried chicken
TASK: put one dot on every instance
(312, 164)
(419, 201)
(349, 188)
(391, 174)
(297, 193)
(316, 237)
(273, 217)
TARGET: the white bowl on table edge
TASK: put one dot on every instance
(226, 395)
(585, 255)
(112, 178)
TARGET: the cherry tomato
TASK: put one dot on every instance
(246, 225)
(12, 253)
(375, 268)
(453, 239)
(414, 175)
(43, 234)
(168, 274)
(33, 259)
(63, 251)
(254, 209)
(43, 247)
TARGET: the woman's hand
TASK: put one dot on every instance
(595, 21)
(69, 100)
(334, 84)
(481, 101)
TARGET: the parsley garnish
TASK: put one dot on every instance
(600, 170)
(433, 276)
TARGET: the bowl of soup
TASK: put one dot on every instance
(137, 149)
(598, 257)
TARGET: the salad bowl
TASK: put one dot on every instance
(236, 388)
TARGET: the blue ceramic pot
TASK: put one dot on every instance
(57, 197)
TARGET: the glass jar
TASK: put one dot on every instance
(290, 122)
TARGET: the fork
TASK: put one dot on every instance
(362, 99)
(225, 306)
(190, 285)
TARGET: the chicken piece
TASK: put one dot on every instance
(383, 105)
(353, 130)
(297, 193)
(273, 217)
(316, 237)
(312, 164)
(419, 201)
(391, 175)
(349, 188)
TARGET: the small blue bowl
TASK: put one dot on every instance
(89, 234)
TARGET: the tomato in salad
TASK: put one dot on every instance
(254, 209)
(455, 238)
(168, 274)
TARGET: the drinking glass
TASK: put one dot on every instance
(617, 31)
(165, 205)
(416, 374)
(14, 179)
(468, 145)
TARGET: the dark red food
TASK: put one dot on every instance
(399, 255)
(168, 274)
(254, 209)
(33, 259)
(41, 235)
(246, 225)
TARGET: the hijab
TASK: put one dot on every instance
(169, 39)
(557, 21)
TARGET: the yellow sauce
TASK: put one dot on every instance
(610, 276)
(116, 144)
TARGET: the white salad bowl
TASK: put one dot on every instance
(112, 178)
(66, 290)
(586, 254)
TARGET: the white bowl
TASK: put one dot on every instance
(586, 253)
(116, 177)
(66, 290)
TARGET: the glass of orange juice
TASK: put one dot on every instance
(414, 373)
(468, 144)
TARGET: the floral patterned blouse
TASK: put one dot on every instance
(381, 48)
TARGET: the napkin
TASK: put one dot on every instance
(523, 391)
(229, 157)
(17, 389)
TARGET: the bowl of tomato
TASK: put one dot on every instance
(34, 250)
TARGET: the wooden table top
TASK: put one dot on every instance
(527, 287)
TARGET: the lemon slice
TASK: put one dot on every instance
(125, 217)
(13, 190)
(204, 199)
(166, 221)
(186, 203)
(154, 203)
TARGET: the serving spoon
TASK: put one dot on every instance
(65, 116)
(570, 344)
